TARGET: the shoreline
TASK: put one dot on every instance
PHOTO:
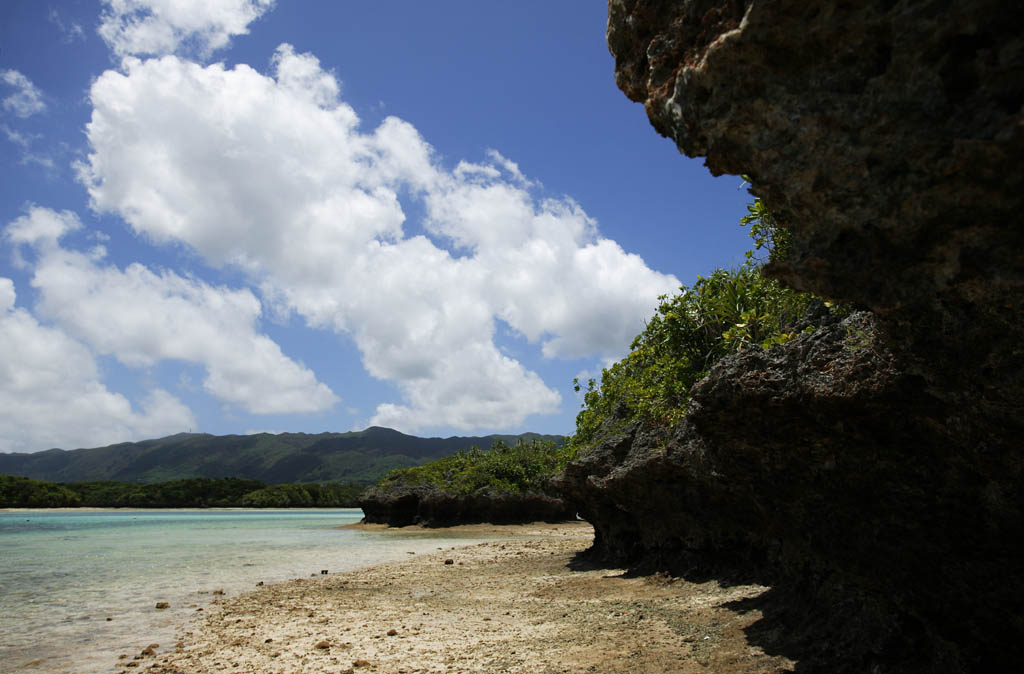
(524, 603)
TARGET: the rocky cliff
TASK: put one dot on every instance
(877, 477)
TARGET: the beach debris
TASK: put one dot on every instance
(268, 640)
(392, 632)
(323, 572)
(162, 604)
(360, 663)
(149, 650)
(218, 592)
(259, 584)
(449, 562)
(323, 644)
(109, 618)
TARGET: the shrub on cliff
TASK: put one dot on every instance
(728, 311)
(518, 468)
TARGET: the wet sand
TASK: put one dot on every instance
(521, 604)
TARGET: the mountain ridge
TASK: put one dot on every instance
(356, 456)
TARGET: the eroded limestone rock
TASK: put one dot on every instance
(874, 468)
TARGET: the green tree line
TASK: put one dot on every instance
(21, 492)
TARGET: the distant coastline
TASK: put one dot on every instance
(21, 492)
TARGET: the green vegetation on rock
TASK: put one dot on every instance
(729, 311)
(519, 468)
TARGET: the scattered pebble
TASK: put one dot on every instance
(162, 604)
(410, 617)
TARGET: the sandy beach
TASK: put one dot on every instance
(521, 604)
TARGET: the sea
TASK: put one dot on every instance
(80, 587)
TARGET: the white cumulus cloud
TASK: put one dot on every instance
(157, 27)
(142, 317)
(26, 100)
(51, 393)
(272, 174)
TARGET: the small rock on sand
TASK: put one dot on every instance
(162, 604)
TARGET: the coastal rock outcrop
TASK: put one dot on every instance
(400, 506)
(873, 467)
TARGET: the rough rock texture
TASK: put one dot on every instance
(402, 506)
(874, 467)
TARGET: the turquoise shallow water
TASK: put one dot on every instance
(64, 573)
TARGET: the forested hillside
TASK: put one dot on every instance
(362, 456)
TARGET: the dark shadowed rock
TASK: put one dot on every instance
(871, 469)
(400, 506)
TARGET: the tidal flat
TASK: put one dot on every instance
(523, 601)
(78, 587)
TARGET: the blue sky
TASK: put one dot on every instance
(242, 215)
